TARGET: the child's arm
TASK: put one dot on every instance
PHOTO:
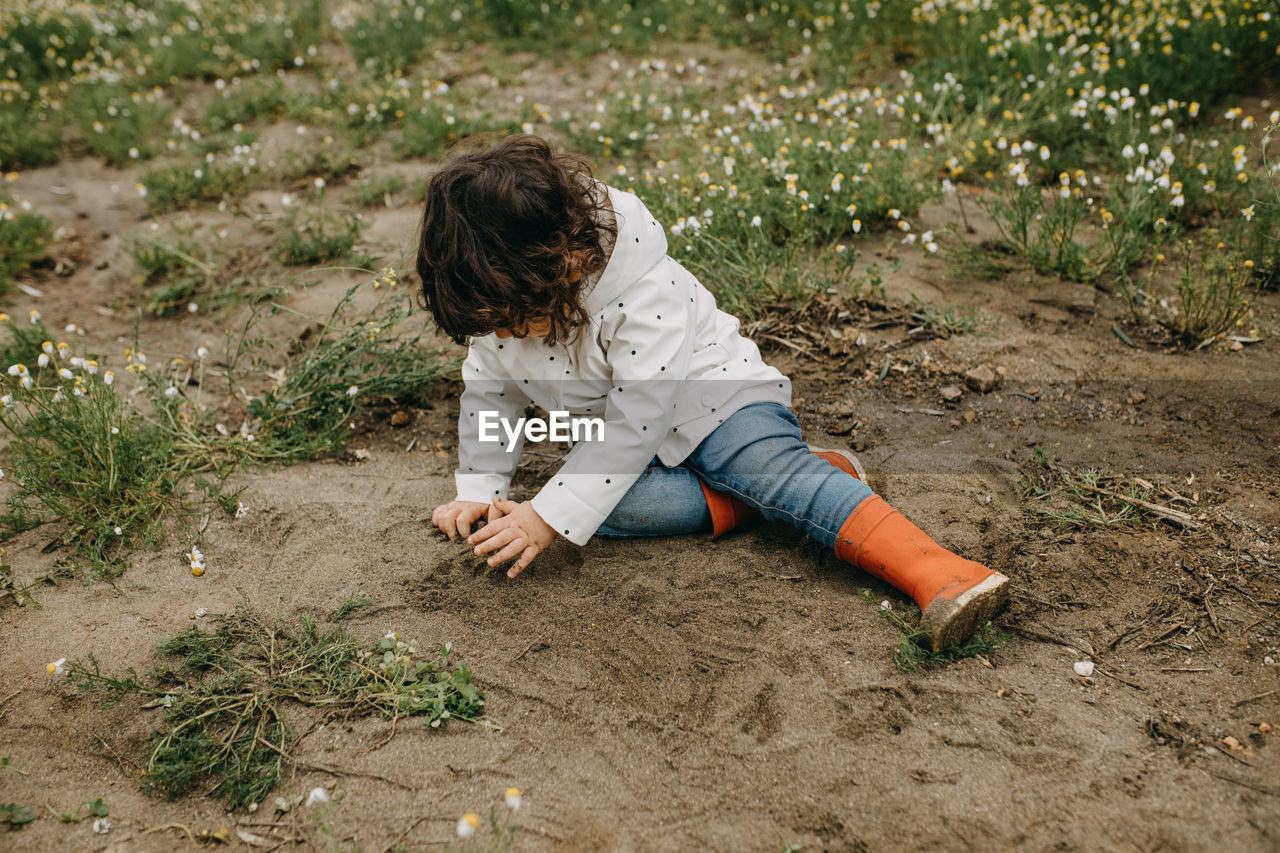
(484, 468)
(657, 323)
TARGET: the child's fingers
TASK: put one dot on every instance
(467, 517)
(513, 550)
(525, 559)
(445, 519)
(499, 539)
(507, 507)
(491, 529)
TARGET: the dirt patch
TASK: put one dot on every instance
(736, 694)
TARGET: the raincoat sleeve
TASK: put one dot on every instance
(649, 340)
(485, 468)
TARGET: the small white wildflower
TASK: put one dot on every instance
(119, 531)
(319, 183)
(317, 796)
(353, 390)
(755, 222)
(468, 824)
(56, 667)
(108, 377)
(513, 798)
(63, 373)
(241, 509)
(171, 392)
(43, 360)
(202, 352)
(102, 826)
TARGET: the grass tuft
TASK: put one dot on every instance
(223, 697)
(912, 655)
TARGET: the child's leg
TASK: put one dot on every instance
(662, 502)
(758, 456)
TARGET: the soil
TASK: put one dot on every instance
(737, 694)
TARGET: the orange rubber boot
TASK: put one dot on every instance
(956, 596)
(728, 512)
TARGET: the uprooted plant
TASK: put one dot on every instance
(223, 697)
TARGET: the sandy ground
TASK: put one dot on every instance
(739, 694)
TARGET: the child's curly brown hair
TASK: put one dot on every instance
(511, 234)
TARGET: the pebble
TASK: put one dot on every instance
(950, 393)
(1083, 668)
(981, 378)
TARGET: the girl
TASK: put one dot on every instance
(564, 287)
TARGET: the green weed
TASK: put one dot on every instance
(351, 604)
(946, 321)
(912, 655)
(176, 186)
(377, 191)
(316, 235)
(1082, 498)
(340, 365)
(117, 124)
(223, 697)
(81, 454)
(24, 238)
(15, 816)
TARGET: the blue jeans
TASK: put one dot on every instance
(758, 456)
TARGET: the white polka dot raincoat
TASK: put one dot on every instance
(660, 364)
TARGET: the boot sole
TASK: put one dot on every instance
(854, 463)
(948, 621)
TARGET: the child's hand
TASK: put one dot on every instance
(455, 518)
(520, 531)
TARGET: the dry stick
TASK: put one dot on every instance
(1184, 669)
(1179, 518)
(1166, 635)
(528, 647)
(332, 771)
(1252, 699)
(1102, 671)
(123, 764)
(395, 841)
(386, 740)
(1208, 606)
(1243, 783)
(785, 342)
(1036, 635)
(171, 826)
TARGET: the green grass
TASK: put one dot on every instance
(911, 654)
(1073, 499)
(315, 234)
(24, 239)
(946, 321)
(224, 697)
(105, 465)
(378, 191)
(81, 454)
(349, 605)
(348, 363)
